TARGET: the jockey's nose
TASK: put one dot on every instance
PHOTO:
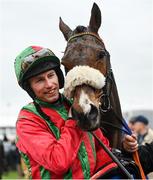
(48, 83)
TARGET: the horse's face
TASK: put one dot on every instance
(85, 47)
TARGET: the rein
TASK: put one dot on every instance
(106, 108)
(113, 157)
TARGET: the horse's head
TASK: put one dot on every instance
(85, 48)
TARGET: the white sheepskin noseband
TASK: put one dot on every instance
(82, 75)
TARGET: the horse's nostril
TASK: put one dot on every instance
(93, 112)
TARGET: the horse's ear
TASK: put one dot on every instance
(95, 19)
(65, 29)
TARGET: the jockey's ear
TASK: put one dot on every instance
(65, 29)
(95, 19)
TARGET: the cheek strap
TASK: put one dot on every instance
(28, 89)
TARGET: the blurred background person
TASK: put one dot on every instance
(7, 149)
(2, 159)
(18, 164)
(12, 158)
(141, 128)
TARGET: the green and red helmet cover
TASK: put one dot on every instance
(51, 59)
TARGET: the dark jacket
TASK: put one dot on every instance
(2, 156)
(146, 157)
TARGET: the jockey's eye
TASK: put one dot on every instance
(101, 55)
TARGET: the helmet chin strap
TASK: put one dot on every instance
(28, 89)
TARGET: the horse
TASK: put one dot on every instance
(90, 82)
(86, 48)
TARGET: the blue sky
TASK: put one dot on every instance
(126, 30)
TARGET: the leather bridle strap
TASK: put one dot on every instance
(105, 98)
(85, 33)
(107, 89)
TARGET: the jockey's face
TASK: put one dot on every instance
(45, 86)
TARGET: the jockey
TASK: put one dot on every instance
(49, 141)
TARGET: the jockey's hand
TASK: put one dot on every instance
(130, 143)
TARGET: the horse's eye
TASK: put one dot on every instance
(101, 54)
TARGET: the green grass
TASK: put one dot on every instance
(10, 175)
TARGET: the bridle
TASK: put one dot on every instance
(84, 33)
(105, 106)
(107, 89)
(105, 103)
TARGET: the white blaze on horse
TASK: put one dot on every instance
(82, 83)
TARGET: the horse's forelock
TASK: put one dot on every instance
(80, 29)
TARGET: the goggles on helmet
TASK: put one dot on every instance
(29, 60)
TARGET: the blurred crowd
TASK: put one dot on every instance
(140, 126)
(9, 158)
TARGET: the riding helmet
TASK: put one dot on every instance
(35, 60)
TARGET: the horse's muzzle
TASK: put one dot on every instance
(89, 121)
